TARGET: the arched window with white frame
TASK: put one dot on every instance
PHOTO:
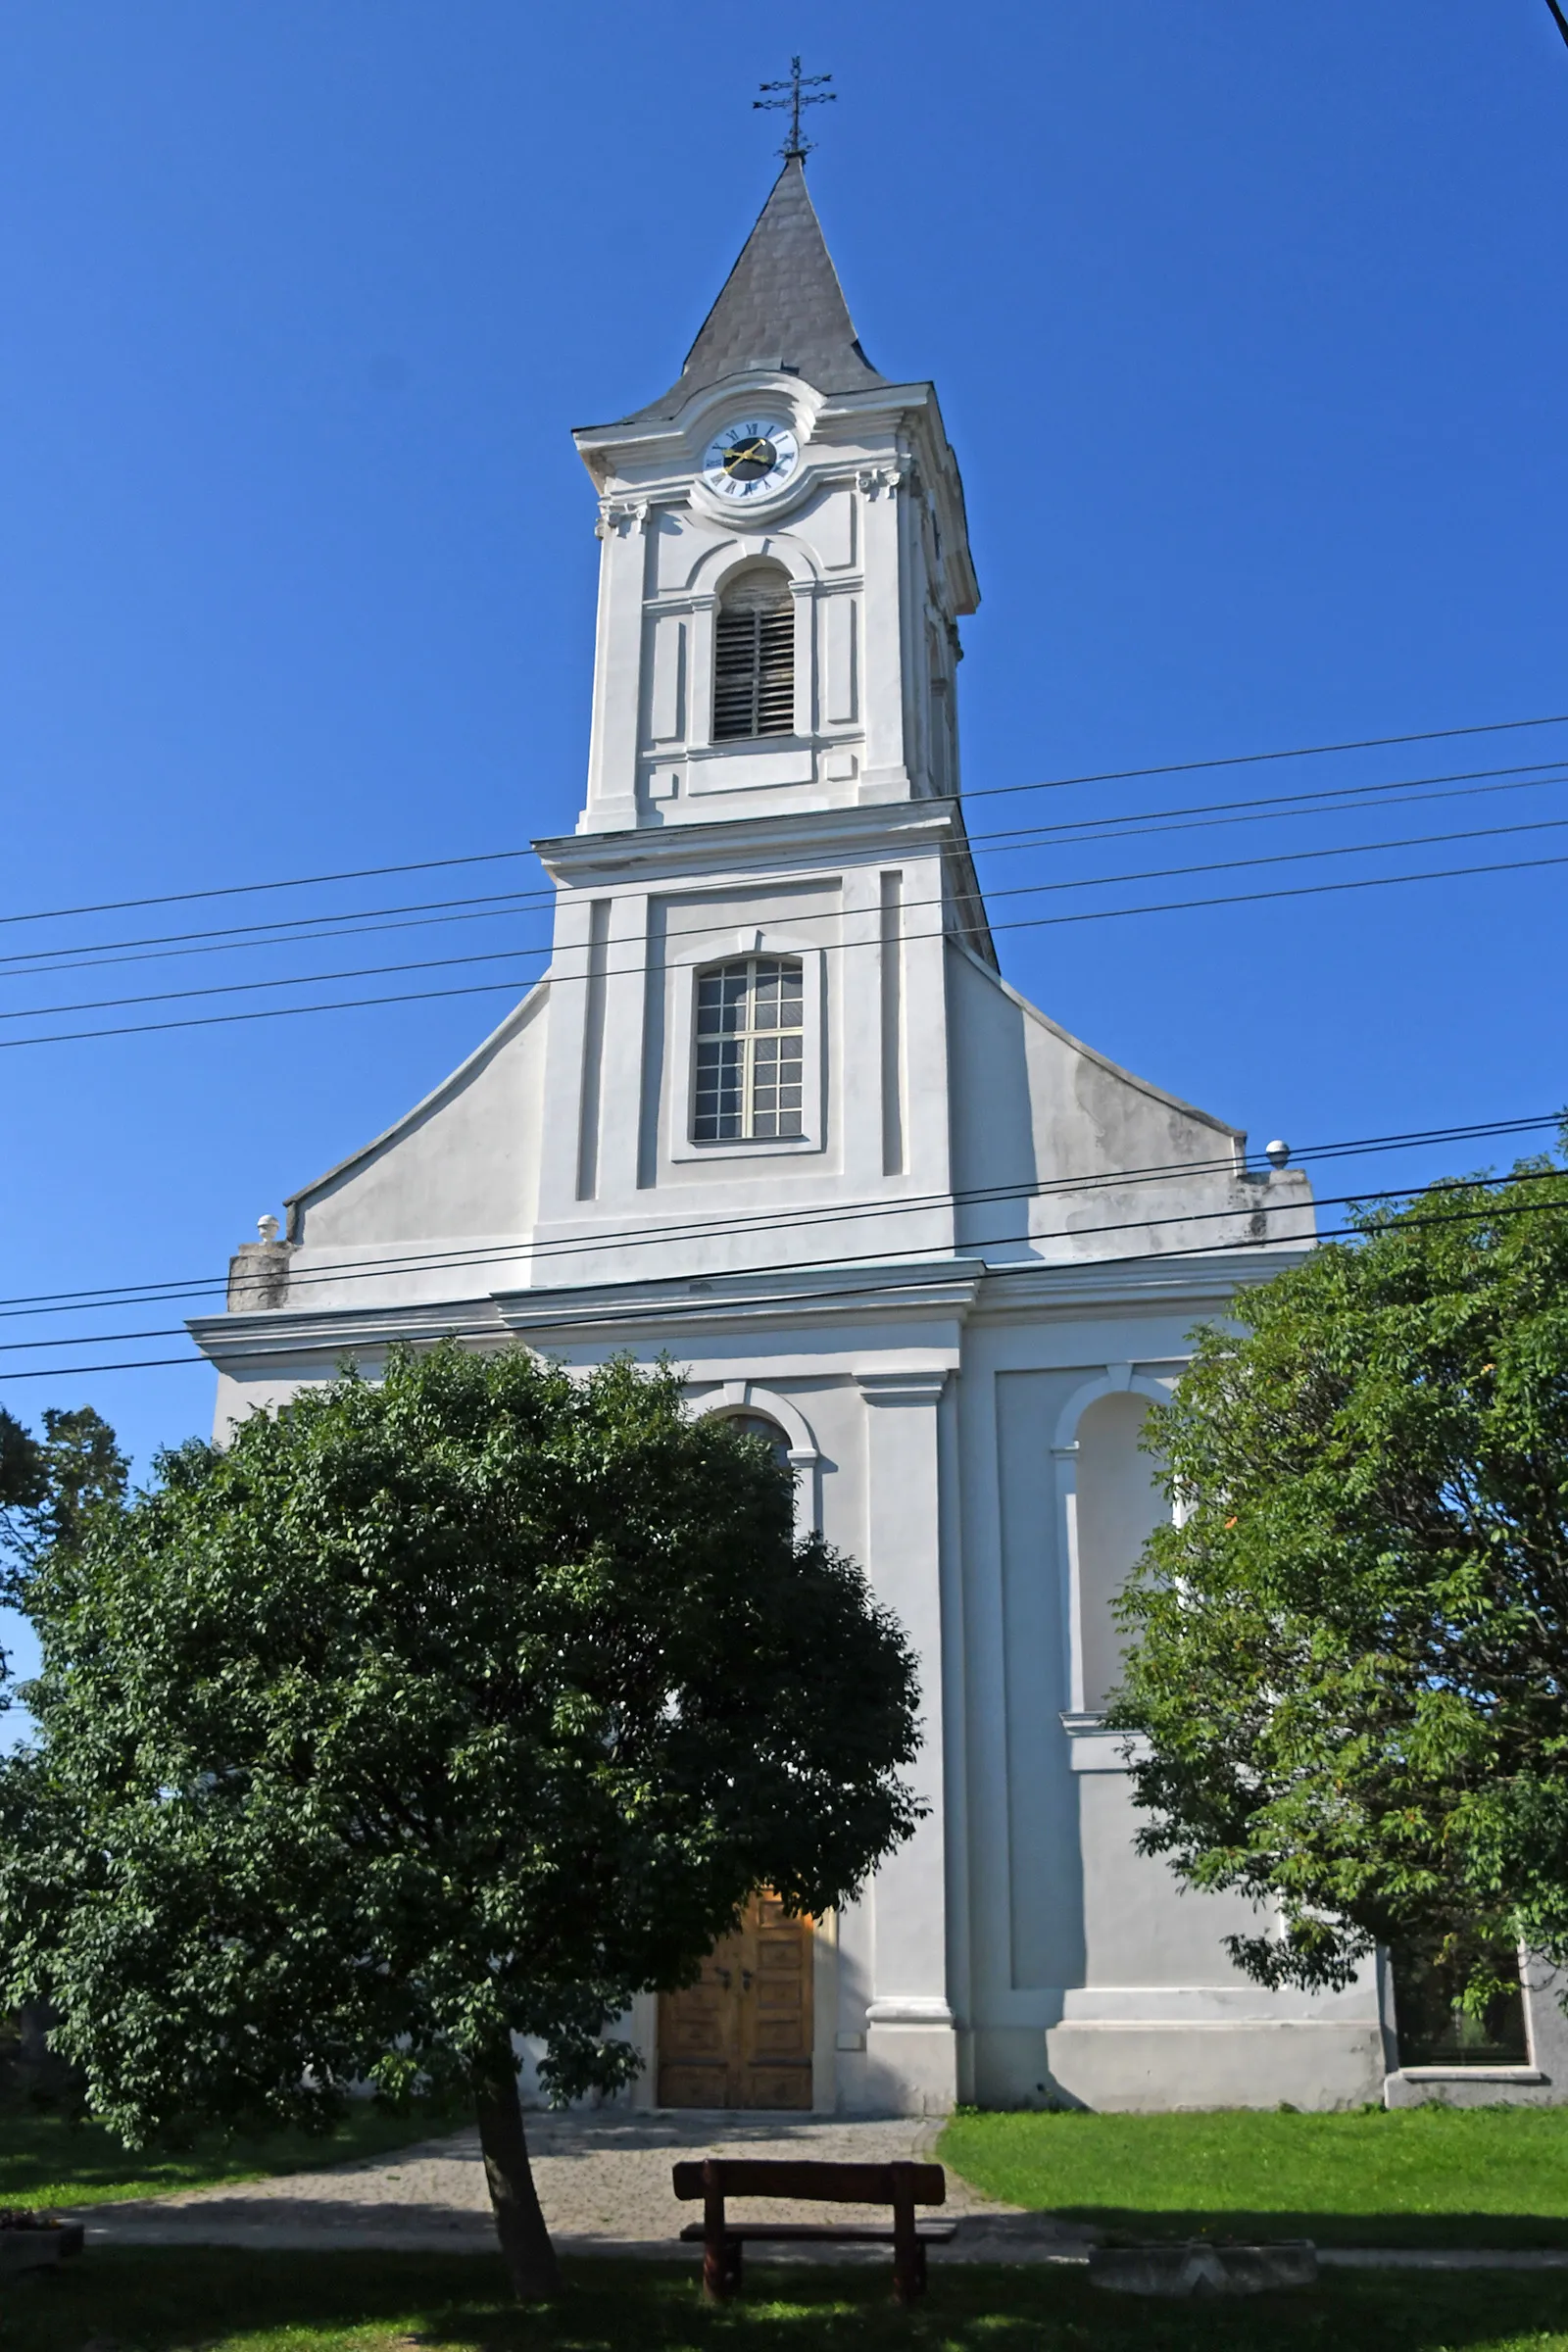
(749, 1051)
(763, 1426)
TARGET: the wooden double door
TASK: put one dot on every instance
(740, 2035)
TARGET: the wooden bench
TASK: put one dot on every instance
(904, 2187)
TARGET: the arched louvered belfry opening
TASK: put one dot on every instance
(753, 657)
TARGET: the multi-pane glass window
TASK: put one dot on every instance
(751, 1048)
(754, 657)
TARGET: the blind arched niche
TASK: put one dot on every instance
(1119, 1506)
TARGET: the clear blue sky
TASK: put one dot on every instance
(1249, 326)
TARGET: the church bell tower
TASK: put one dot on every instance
(747, 986)
(785, 562)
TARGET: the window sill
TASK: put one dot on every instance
(759, 1149)
(1091, 1747)
(1469, 2073)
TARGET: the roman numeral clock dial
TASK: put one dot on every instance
(747, 461)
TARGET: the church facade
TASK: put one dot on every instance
(775, 1111)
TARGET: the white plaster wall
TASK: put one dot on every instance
(1034, 1106)
(1094, 1977)
(465, 1161)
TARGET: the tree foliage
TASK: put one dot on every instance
(51, 1486)
(424, 1715)
(21, 1474)
(1351, 1654)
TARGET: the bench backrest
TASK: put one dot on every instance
(828, 2184)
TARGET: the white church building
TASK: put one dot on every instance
(775, 1111)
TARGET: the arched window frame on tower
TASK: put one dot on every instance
(753, 657)
(689, 962)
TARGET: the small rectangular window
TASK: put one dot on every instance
(751, 1051)
(1436, 2029)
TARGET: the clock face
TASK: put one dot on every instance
(747, 461)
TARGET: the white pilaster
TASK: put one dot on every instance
(910, 2049)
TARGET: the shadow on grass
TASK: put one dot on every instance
(167, 2300)
(45, 2159)
(1121, 2225)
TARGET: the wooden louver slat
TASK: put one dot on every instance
(754, 672)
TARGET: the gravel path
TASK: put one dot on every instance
(604, 2181)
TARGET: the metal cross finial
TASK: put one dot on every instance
(798, 86)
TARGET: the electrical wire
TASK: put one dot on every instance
(1004, 841)
(1309, 751)
(1157, 873)
(468, 1261)
(1003, 1268)
(1101, 914)
(470, 1255)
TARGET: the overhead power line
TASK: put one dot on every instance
(1311, 750)
(1011, 890)
(836, 1290)
(1007, 841)
(361, 873)
(1099, 914)
(521, 1257)
(469, 1255)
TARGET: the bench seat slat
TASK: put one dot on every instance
(866, 2234)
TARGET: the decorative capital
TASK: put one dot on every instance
(621, 516)
(875, 480)
(916, 1387)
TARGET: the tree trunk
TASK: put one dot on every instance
(525, 2246)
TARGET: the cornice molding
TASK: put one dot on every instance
(329, 1330)
(809, 1294)
(917, 1385)
(1028, 1286)
(957, 1289)
(734, 844)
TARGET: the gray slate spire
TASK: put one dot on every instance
(782, 306)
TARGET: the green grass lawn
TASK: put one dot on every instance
(46, 2161)
(168, 2300)
(1423, 2176)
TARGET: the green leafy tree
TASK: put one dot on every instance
(50, 1487)
(20, 1472)
(426, 1715)
(1350, 1655)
